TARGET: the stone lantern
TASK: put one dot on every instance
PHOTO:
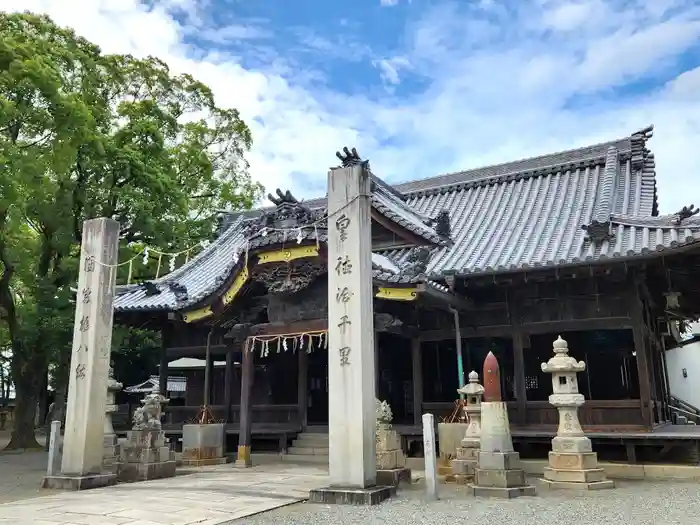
(467, 454)
(572, 462)
(111, 446)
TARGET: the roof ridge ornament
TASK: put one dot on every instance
(351, 158)
(686, 212)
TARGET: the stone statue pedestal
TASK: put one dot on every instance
(391, 462)
(145, 455)
(203, 445)
(572, 462)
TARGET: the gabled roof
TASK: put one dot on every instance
(573, 207)
(567, 208)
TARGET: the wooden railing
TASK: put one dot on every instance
(262, 414)
(593, 414)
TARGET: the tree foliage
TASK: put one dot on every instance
(84, 135)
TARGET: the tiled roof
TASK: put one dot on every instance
(534, 218)
(514, 216)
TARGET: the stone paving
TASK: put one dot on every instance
(208, 496)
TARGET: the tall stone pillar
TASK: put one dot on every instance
(81, 466)
(572, 462)
(351, 374)
(498, 470)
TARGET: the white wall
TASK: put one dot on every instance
(685, 357)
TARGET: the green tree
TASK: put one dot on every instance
(86, 135)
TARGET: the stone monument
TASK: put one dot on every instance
(498, 470)
(572, 462)
(145, 454)
(468, 453)
(391, 463)
(83, 441)
(352, 458)
(111, 443)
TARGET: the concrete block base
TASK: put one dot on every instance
(393, 477)
(594, 485)
(502, 492)
(575, 476)
(129, 472)
(205, 462)
(67, 482)
(351, 496)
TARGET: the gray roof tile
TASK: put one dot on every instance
(514, 216)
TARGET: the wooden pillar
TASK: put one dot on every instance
(416, 360)
(303, 386)
(246, 419)
(642, 358)
(163, 368)
(377, 373)
(519, 339)
(228, 380)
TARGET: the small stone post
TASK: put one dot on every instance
(54, 463)
(467, 455)
(391, 463)
(572, 462)
(431, 490)
(111, 443)
(498, 471)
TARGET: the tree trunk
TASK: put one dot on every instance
(27, 392)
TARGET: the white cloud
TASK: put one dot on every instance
(496, 87)
(388, 3)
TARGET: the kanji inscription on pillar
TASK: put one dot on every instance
(351, 413)
(92, 337)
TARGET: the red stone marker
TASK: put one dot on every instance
(492, 379)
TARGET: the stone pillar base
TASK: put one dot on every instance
(129, 472)
(580, 470)
(68, 482)
(393, 477)
(243, 457)
(203, 462)
(351, 496)
(498, 474)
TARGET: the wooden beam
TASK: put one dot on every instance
(246, 416)
(467, 332)
(519, 375)
(228, 381)
(312, 325)
(165, 330)
(603, 323)
(642, 358)
(303, 386)
(417, 365)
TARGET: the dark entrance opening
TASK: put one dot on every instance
(317, 408)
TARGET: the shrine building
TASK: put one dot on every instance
(503, 258)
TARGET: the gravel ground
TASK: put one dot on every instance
(637, 503)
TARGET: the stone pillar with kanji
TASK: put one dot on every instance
(352, 462)
(83, 442)
(467, 454)
(572, 462)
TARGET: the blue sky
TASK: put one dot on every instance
(423, 87)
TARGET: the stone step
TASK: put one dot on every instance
(304, 451)
(300, 458)
(310, 442)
